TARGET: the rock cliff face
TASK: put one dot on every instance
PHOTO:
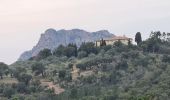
(52, 39)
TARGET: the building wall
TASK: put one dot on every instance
(98, 43)
(111, 42)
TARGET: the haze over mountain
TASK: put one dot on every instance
(51, 39)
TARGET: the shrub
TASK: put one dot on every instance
(88, 47)
(166, 58)
(68, 77)
(3, 69)
(89, 79)
(122, 65)
(107, 67)
(21, 87)
(24, 78)
(73, 93)
(118, 44)
(82, 54)
(70, 66)
(142, 61)
(35, 82)
(62, 74)
(8, 92)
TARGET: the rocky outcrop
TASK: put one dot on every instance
(52, 39)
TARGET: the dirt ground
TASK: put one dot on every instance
(57, 88)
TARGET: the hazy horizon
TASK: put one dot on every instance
(22, 21)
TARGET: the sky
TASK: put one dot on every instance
(22, 21)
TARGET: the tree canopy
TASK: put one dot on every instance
(138, 38)
(38, 68)
(3, 69)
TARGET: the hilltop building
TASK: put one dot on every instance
(125, 40)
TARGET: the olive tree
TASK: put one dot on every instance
(24, 78)
(3, 69)
(38, 68)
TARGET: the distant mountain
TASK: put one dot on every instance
(52, 39)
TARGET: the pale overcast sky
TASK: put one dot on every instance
(22, 21)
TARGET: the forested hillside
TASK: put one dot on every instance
(109, 72)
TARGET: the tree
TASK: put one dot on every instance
(138, 38)
(59, 51)
(88, 47)
(130, 43)
(82, 54)
(118, 43)
(70, 66)
(11, 72)
(69, 50)
(62, 74)
(122, 65)
(44, 53)
(3, 69)
(8, 92)
(156, 35)
(17, 71)
(75, 51)
(35, 82)
(153, 43)
(21, 87)
(74, 93)
(68, 77)
(24, 78)
(38, 68)
(102, 42)
(89, 79)
(166, 58)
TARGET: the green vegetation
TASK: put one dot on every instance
(3, 69)
(38, 68)
(69, 51)
(109, 72)
(138, 38)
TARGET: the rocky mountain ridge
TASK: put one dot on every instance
(51, 39)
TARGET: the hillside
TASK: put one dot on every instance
(110, 72)
(51, 39)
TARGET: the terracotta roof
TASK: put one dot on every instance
(119, 38)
